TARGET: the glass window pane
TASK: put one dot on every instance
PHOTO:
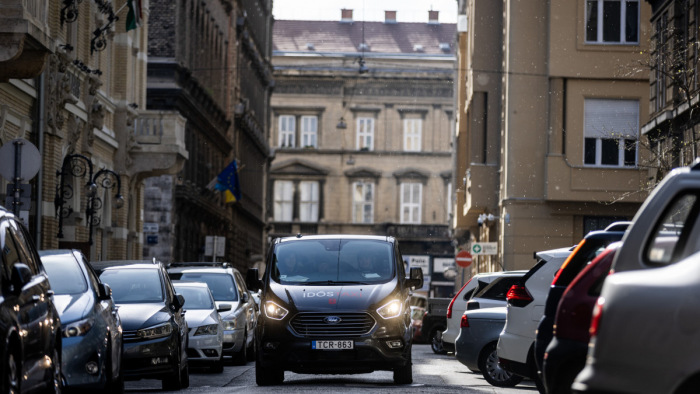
(592, 20)
(609, 152)
(611, 21)
(632, 22)
(589, 151)
(669, 231)
(631, 153)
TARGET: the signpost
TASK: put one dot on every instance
(20, 161)
(463, 258)
(214, 246)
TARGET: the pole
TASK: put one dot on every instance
(18, 184)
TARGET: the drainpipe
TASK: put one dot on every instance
(40, 182)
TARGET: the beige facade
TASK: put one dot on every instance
(542, 119)
(83, 101)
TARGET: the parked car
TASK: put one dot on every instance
(324, 313)
(90, 325)
(650, 298)
(30, 326)
(434, 323)
(206, 336)
(417, 314)
(153, 321)
(566, 353)
(476, 345)
(494, 294)
(590, 246)
(228, 287)
(525, 307)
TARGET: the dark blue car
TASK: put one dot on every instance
(91, 329)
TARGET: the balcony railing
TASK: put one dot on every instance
(24, 38)
(160, 143)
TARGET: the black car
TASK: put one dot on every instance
(155, 330)
(591, 245)
(30, 326)
(334, 304)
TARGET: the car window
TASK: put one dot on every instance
(221, 285)
(65, 274)
(10, 254)
(92, 275)
(671, 233)
(195, 298)
(240, 284)
(23, 244)
(134, 285)
(498, 289)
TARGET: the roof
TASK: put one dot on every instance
(343, 37)
(335, 236)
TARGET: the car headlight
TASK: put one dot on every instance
(391, 309)
(230, 322)
(210, 329)
(274, 311)
(78, 328)
(161, 330)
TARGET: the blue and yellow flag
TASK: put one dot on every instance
(227, 182)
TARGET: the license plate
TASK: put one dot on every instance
(332, 345)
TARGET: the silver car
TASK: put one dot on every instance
(228, 287)
(206, 335)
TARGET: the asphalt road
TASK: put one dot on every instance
(432, 373)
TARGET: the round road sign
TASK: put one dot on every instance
(463, 258)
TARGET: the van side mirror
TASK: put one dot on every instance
(20, 276)
(415, 278)
(104, 292)
(252, 279)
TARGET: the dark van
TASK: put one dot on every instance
(334, 304)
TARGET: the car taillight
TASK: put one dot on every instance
(449, 307)
(566, 262)
(464, 322)
(518, 296)
(595, 318)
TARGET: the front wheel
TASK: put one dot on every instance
(174, 381)
(404, 373)
(492, 370)
(436, 341)
(267, 376)
(56, 371)
(12, 378)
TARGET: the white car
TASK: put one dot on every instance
(525, 309)
(206, 329)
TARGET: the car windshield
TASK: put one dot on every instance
(65, 275)
(333, 261)
(133, 285)
(195, 297)
(221, 285)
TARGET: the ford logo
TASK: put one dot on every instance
(332, 319)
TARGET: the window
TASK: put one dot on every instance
(411, 203)
(412, 135)
(365, 133)
(284, 194)
(611, 128)
(673, 230)
(363, 202)
(308, 201)
(309, 131)
(612, 21)
(287, 129)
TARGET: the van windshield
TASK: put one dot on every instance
(333, 262)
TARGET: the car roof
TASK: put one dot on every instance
(299, 237)
(213, 270)
(184, 283)
(554, 253)
(55, 252)
(130, 266)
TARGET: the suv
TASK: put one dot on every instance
(434, 323)
(30, 327)
(326, 310)
(228, 287)
(525, 306)
(494, 294)
(650, 298)
(153, 322)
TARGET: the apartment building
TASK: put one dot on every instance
(550, 103)
(362, 121)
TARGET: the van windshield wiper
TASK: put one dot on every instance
(335, 282)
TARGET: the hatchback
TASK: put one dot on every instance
(91, 328)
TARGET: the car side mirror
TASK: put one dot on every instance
(245, 297)
(179, 301)
(21, 275)
(223, 308)
(104, 292)
(252, 279)
(415, 278)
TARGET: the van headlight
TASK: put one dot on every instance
(391, 309)
(274, 311)
(161, 330)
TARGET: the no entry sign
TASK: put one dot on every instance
(463, 258)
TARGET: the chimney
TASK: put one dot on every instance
(346, 15)
(389, 16)
(433, 17)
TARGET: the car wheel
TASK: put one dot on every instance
(251, 349)
(56, 386)
(185, 376)
(267, 376)
(241, 357)
(174, 381)
(436, 340)
(218, 366)
(492, 370)
(12, 378)
(404, 373)
(112, 385)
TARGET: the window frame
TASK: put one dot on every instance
(310, 134)
(282, 203)
(313, 203)
(415, 208)
(360, 205)
(620, 139)
(412, 134)
(364, 134)
(284, 134)
(600, 26)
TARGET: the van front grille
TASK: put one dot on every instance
(346, 325)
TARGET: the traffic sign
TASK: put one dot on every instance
(479, 248)
(463, 258)
(29, 160)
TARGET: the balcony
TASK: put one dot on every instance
(482, 190)
(24, 38)
(159, 144)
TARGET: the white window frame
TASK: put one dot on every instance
(360, 191)
(412, 134)
(308, 201)
(309, 131)
(287, 131)
(411, 211)
(596, 111)
(365, 133)
(284, 201)
(601, 27)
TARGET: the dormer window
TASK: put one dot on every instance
(418, 48)
(363, 47)
(310, 46)
(445, 46)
